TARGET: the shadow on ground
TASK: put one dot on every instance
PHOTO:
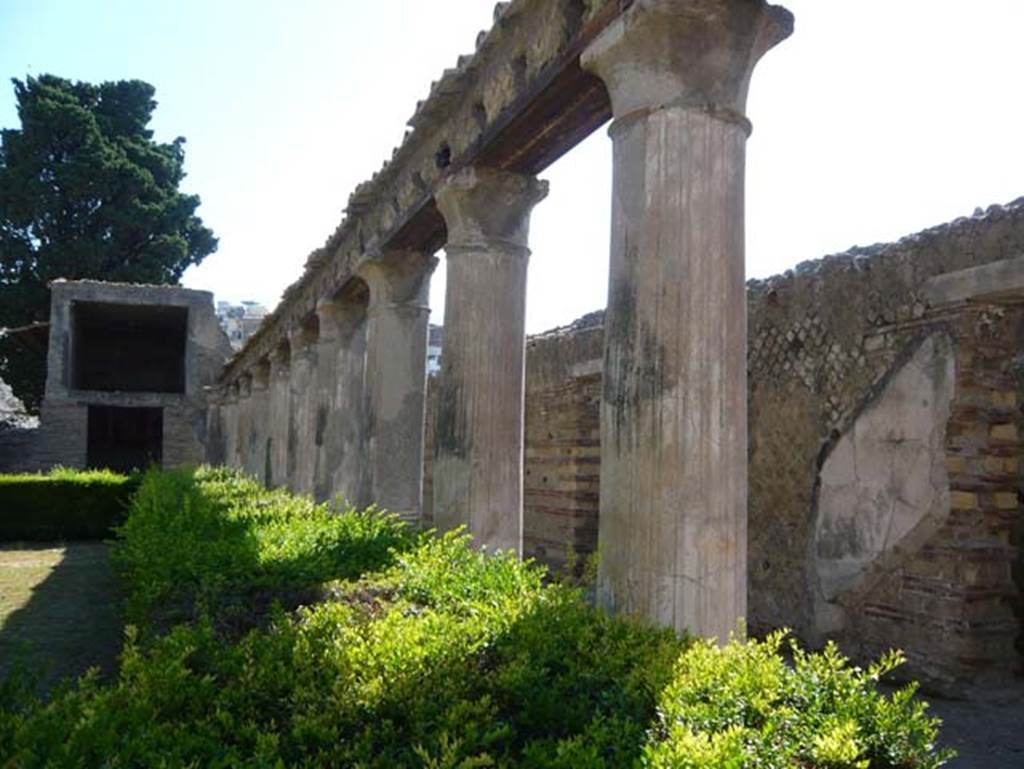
(986, 730)
(59, 610)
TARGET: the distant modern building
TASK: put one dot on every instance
(241, 320)
(434, 339)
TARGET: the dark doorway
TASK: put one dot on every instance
(124, 439)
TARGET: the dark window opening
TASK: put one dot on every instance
(125, 439)
(128, 348)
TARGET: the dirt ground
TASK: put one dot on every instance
(60, 605)
(987, 730)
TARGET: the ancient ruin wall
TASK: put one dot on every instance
(563, 442)
(831, 344)
(825, 343)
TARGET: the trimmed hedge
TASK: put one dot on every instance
(424, 653)
(63, 505)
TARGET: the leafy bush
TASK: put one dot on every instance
(63, 504)
(742, 705)
(444, 657)
(212, 541)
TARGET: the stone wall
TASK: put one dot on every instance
(563, 442)
(833, 348)
(911, 545)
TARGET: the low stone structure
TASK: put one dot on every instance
(126, 373)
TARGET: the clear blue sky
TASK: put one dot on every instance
(878, 118)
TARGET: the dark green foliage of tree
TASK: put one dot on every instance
(85, 192)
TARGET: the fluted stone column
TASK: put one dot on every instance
(276, 469)
(258, 450)
(230, 420)
(325, 387)
(478, 464)
(216, 416)
(243, 436)
(395, 379)
(673, 510)
(302, 425)
(340, 429)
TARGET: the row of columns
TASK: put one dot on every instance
(673, 411)
(337, 409)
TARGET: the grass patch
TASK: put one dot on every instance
(59, 610)
(423, 652)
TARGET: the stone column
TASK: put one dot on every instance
(325, 386)
(340, 424)
(478, 465)
(259, 423)
(244, 419)
(396, 378)
(302, 424)
(231, 425)
(673, 511)
(216, 424)
(276, 468)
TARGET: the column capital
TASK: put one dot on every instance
(338, 317)
(695, 54)
(303, 338)
(488, 208)
(281, 357)
(398, 280)
(260, 377)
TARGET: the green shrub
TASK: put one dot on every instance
(444, 657)
(212, 541)
(63, 505)
(742, 705)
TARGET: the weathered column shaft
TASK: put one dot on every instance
(340, 429)
(276, 470)
(478, 464)
(238, 450)
(673, 510)
(396, 375)
(258, 449)
(325, 387)
(216, 427)
(302, 445)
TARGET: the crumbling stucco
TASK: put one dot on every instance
(884, 490)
